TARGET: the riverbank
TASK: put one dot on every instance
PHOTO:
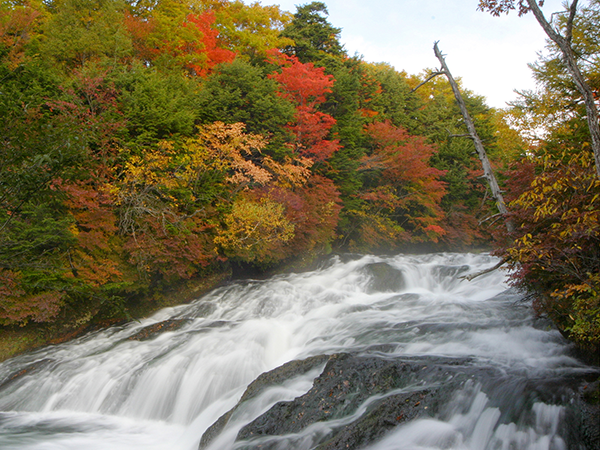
(15, 340)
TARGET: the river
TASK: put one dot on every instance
(129, 387)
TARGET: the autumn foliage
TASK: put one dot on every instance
(305, 86)
(169, 36)
(555, 252)
(402, 191)
(148, 144)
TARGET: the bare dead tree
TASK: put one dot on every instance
(485, 162)
(564, 42)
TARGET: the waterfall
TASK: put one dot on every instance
(162, 382)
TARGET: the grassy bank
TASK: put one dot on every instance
(15, 339)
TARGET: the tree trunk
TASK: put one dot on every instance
(564, 43)
(485, 163)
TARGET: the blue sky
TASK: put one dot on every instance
(490, 54)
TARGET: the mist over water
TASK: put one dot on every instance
(114, 390)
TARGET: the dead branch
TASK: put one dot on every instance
(483, 272)
(429, 78)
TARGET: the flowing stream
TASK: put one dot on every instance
(128, 388)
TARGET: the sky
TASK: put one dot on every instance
(490, 54)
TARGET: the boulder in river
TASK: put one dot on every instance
(365, 395)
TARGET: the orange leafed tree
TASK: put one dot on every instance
(314, 208)
(16, 306)
(190, 40)
(305, 86)
(171, 199)
(211, 50)
(95, 259)
(403, 184)
(17, 27)
(302, 83)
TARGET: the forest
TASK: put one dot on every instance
(146, 143)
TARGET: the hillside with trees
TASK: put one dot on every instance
(151, 142)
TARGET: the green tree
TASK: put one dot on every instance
(241, 92)
(80, 32)
(314, 37)
(33, 250)
(395, 100)
(156, 105)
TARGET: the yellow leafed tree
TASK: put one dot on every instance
(255, 230)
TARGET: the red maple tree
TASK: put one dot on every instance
(306, 85)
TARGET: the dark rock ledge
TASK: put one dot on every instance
(363, 397)
(403, 390)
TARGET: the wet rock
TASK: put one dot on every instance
(380, 418)
(152, 331)
(285, 372)
(27, 370)
(590, 425)
(588, 409)
(443, 272)
(384, 278)
(359, 398)
(350, 382)
(272, 378)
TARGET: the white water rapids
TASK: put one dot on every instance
(105, 391)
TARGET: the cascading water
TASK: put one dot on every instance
(130, 388)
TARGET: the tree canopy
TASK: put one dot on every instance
(149, 143)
